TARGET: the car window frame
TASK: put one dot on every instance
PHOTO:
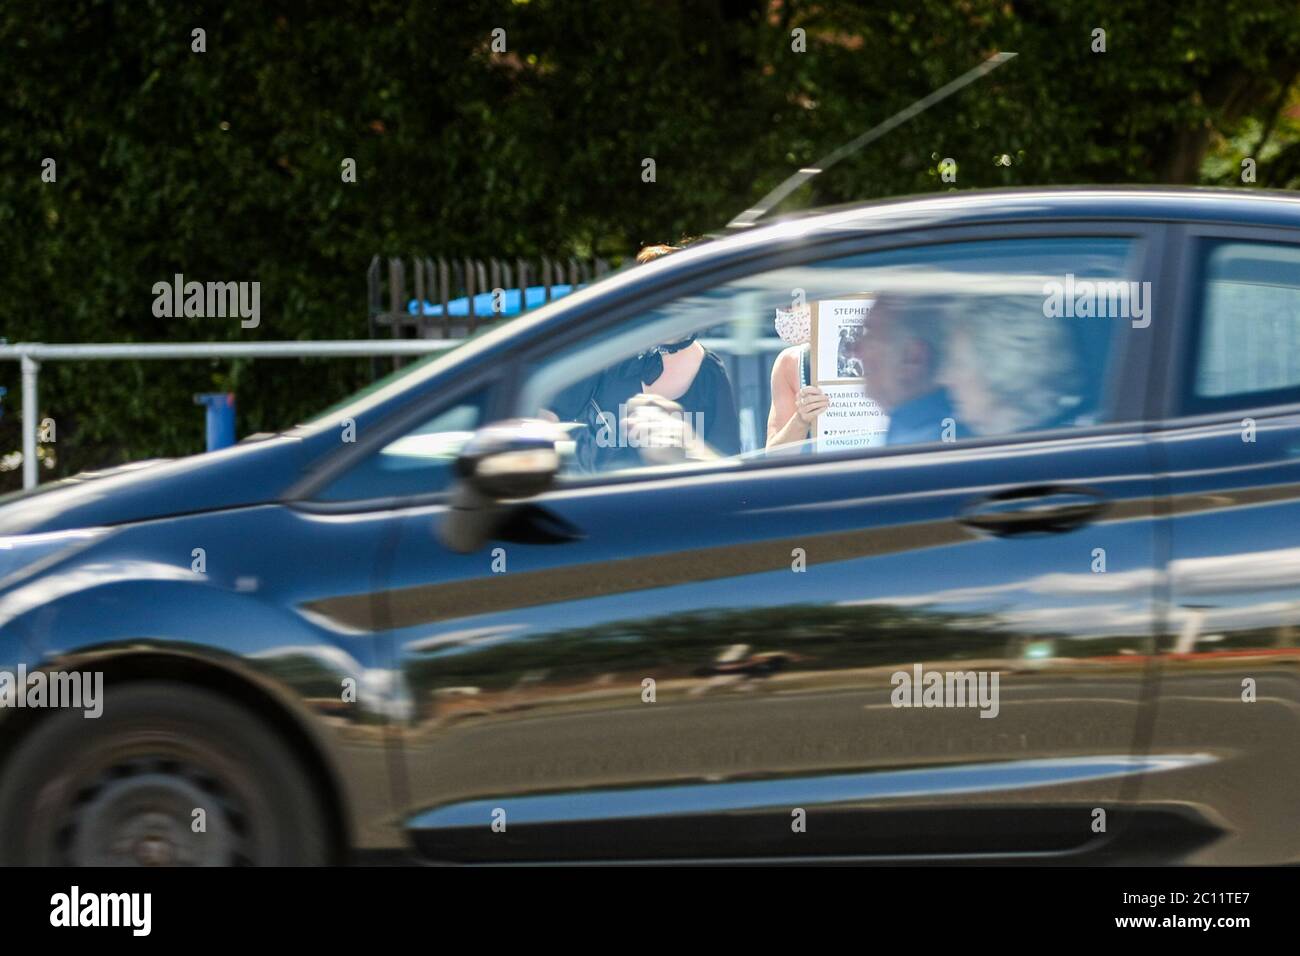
(1135, 361)
(1150, 234)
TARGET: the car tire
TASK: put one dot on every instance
(167, 775)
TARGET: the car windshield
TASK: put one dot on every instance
(417, 366)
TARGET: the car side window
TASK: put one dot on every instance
(417, 463)
(1247, 351)
(907, 346)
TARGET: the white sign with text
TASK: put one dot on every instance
(851, 420)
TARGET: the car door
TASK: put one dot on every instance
(738, 659)
(1230, 457)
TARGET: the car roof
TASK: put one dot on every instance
(1247, 206)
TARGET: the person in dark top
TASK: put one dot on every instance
(666, 400)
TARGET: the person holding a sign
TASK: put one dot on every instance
(796, 402)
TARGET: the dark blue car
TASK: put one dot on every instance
(1023, 583)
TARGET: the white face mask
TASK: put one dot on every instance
(794, 325)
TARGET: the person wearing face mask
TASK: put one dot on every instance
(796, 402)
(671, 400)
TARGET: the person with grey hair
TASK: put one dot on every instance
(1008, 368)
(901, 351)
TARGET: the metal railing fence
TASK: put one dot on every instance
(31, 354)
(449, 292)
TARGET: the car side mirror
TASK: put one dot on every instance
(512, 459)
(504, 461)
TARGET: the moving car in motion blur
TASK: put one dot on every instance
(425, 624)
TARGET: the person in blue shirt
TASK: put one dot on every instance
(901, 351)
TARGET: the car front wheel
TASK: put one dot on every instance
(168, 775)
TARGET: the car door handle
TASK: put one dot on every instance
(1046, 509)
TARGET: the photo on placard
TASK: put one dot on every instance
(836, 328)
(852, 419)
